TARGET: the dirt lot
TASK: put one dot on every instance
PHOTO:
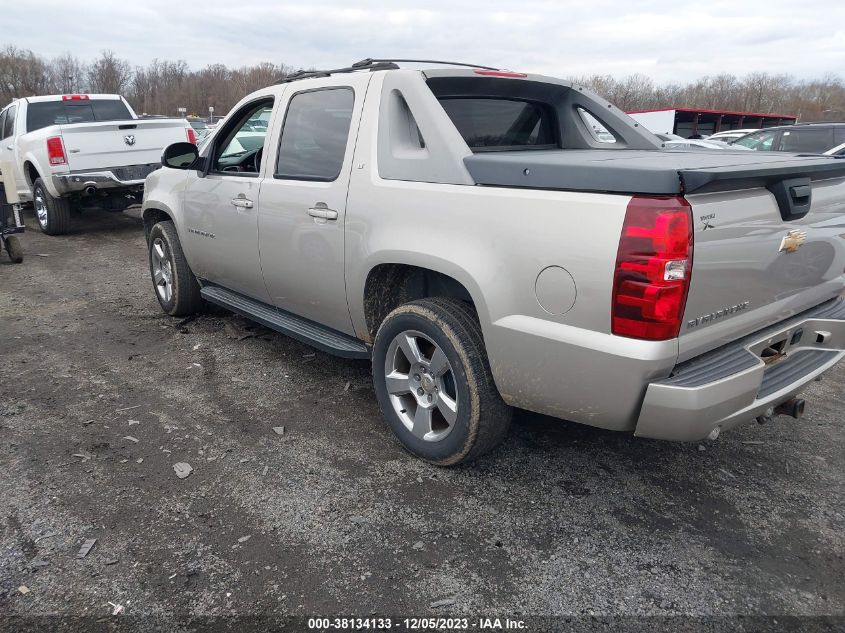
(102, 394)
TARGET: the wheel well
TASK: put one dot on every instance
(151, 217)
(31, 173)
(390, 285)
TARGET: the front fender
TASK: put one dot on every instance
(163, 193)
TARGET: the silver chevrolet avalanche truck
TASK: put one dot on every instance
(491, 239)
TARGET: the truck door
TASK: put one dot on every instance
(221, 207)
(303, 202)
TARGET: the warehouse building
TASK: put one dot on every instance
(689, 122)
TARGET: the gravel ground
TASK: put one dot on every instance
(102, 394)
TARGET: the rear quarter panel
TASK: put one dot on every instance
(496, 241)
(32, 149)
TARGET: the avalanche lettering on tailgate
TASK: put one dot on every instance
(706, 319)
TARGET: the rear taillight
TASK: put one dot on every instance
(56, 151)
(192, 136)
(653, 269)
(74, 97)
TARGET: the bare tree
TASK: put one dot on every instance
(67, 74)
(109, 74)
(22, 74)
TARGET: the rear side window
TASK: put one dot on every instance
(596, 128)
(809, 140)
(489, 124)
(44, 113)
(315, 135)
(9, 123)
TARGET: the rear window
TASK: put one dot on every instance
(44, 113)
(489, 124)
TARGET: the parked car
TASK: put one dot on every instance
(469, 232)
(803, 138)
(706, 144)
(200, 128)
(72, 148)
(728, 136)
(669, 137)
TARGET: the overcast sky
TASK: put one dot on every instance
(668, 40)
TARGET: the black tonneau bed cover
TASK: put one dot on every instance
(655, 172)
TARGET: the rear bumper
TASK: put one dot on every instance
(733, 384)
(126, 177)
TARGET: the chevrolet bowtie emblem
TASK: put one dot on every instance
(793, 241)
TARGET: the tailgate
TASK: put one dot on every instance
(100, 145)
(759, 257)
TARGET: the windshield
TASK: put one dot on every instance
(761, 141)
(44, 113)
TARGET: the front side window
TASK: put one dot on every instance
(761, 141)
(44, 113)
(242, 143)
(315, 135)
(8, 127)
(488, 124)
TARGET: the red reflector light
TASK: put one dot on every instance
(56, 151)
(653, 269)
(192, 136)
(499, 73)
(74, 97)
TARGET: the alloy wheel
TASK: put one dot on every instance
(421, 386)
(162, 270)
(40, 208)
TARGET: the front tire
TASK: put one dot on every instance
(434, 384)
(176, 287)
(53, 214)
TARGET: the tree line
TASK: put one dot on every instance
(163, 86)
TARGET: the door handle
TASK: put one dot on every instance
(242, 203)
(320, 210)
(10, 147)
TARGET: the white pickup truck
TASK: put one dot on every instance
(66, 148)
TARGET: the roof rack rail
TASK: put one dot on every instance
(372, 65)
(366, 62)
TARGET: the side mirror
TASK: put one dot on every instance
(180, 155)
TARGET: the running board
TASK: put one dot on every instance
(314, 334)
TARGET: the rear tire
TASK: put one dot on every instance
(14, 249)
(53, 214)
(434, 384)
(176, 287)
